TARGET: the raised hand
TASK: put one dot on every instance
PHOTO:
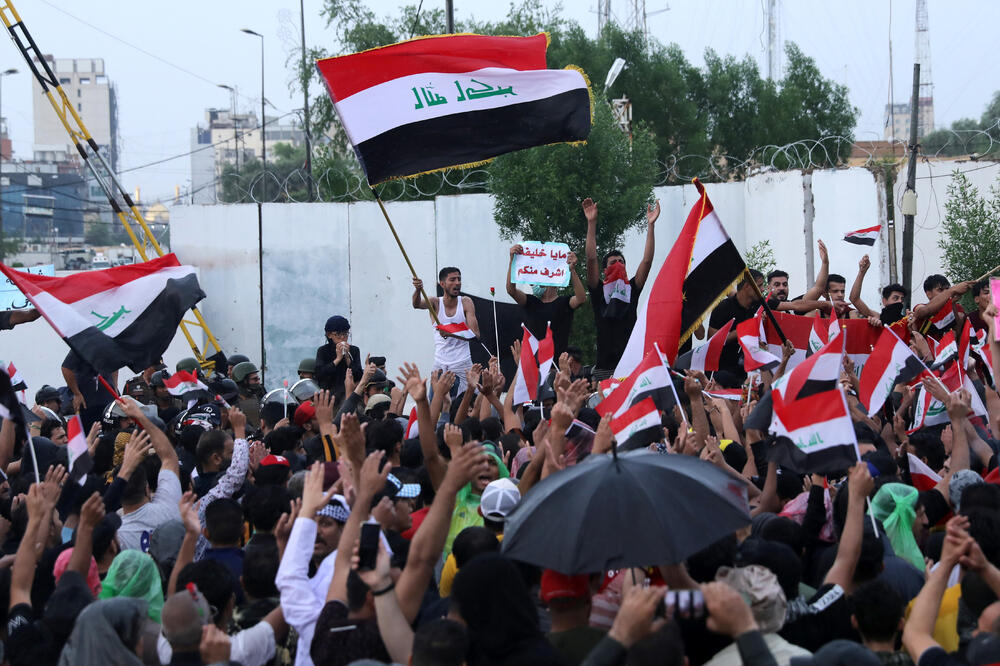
(453, 436)
(864, 264)
(91, 512)
(283, 528)
(412, 383)
(468, 461)
(135, 452)
(445, 382)
(603, 436)
(323, 403)
(238, 421)
(55, 477)
(589, 210)
(188, 507)
(313, 497)
(652, 212)
(823, 255)
(372, 480)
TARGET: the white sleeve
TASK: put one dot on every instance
(298, 603)
(253, 646)
(163, 649)
(168, 491)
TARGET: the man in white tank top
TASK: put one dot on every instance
(451, 350)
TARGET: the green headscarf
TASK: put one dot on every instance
(134, 574)
(466, 512)
(895, 505)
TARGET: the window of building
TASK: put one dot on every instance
(78, 93)
(101, 79)
(63, 80)
(79, 107)
(84, 80)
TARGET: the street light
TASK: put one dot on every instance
(263, 143)
(6, 72)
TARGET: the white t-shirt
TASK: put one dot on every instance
(139, 524)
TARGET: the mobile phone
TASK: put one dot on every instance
(368, 548)
(377, 360)
(684, 603)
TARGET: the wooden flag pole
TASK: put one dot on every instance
(402, 249)
(987, 274)
(763, 302)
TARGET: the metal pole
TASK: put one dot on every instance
(263, 129)
(305, 102)
(449, 9)
(911, 181)
(2, 74)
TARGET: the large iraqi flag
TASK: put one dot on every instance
(701, 267)
(453, 100)
(121, 316)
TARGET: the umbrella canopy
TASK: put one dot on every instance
(637, 509)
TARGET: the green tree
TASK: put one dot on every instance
(760, 256)
(970, 233)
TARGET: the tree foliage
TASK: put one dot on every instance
(250, 183)
(970, 233)
(967, 136)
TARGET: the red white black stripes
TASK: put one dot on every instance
(890, 363)
(122, 316)
(436, 102)
(182, 382)
(866, 236)
(637, 426)
(706, 357)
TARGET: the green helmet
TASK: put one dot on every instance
(243, 370)
(189, 364)
(307, 365)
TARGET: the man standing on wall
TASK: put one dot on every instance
(615, 300)
(451, 351)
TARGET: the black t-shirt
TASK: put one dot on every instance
(730, 308)
(828, 618)
(936, 656)
(86, 380)
(340, 640)
(612, 332)
(559, 315)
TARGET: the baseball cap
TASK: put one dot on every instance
(376, 400)
(396, 489)
(271, 459)
(499, 498)
(304, 413)
(560, 586)
(338, 324)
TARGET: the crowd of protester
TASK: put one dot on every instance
(230, 527)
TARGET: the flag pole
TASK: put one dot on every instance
(496, 328)
(763, 301)
(988, 273)
(34, 459)
(402, 249)
(673, 388)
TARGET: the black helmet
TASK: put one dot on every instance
(113, 413)
(208, 412)
(236, 359)
(46, 394)
(156, 379)
(226, 388)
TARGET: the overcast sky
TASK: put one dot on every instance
(191, 46)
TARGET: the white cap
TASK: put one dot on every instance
(498, 499)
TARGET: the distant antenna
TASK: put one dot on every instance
(773, 41)
(922, 49)
(629, 15)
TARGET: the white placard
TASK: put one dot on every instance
(11, 297)
(541, 263)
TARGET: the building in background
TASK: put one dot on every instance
(897, 120)
(229, 138)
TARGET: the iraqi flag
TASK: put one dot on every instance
(453, 100)
(863, 236)
(16, 379)
(735, 394)
(944, 318)
(922, 476)
(701, 267)
(815, 434)
(817, 374)
(80, 461)
(459, 330)
(755, 353)
(121, 316)
(890, 363)
(412, 426)
(650, 380)
(617, 291)
(638, 426)
(182, 382)
(706, 357)
(526, 380)
(545, 353)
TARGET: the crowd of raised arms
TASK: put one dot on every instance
(358, 516)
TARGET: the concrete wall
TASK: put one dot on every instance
(324, 259)
(338, 258)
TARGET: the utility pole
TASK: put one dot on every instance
(449, 10)
(909, 203)
(305, 102)
(773, 49)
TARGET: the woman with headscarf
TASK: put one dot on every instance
(466, 513)
(134, 574)
(107, 632)
(490, 597)
(898, 507)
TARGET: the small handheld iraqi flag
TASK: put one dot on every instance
(121, 316)
(182, 382)
(459, 330)
(863, 236)
(706, 357)
(80, 461)
(443, 101)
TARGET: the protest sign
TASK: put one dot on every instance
(541, 263)
(995, 295)
(11, 297)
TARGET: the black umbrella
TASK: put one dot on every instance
(637, 509)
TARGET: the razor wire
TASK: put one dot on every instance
(347, 184)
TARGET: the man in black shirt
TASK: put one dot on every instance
(545, 305)
(740, 306)
(616, 300)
